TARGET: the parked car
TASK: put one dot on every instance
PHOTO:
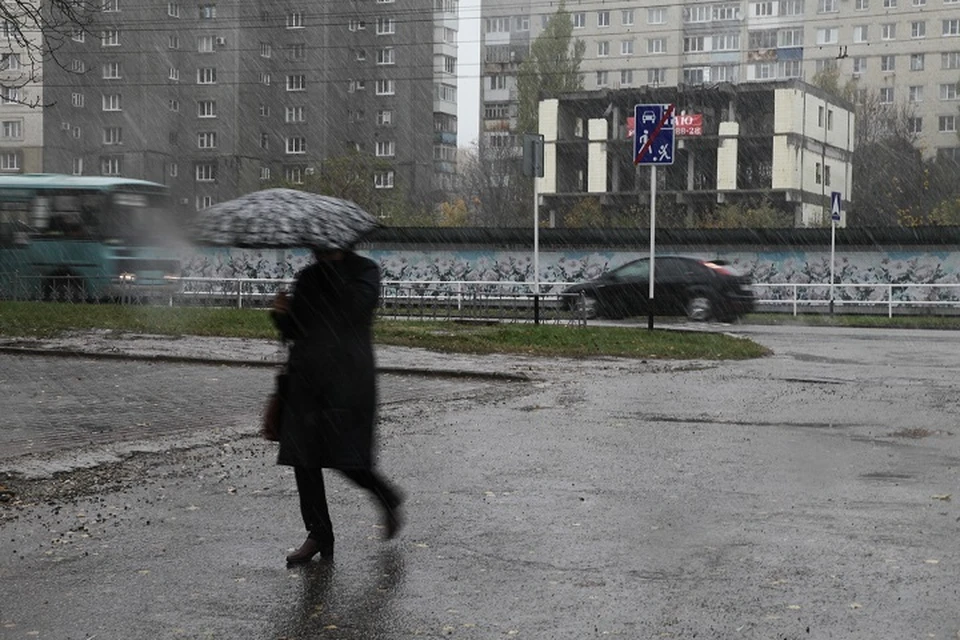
(700, 289)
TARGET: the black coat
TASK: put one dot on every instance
(330, 406)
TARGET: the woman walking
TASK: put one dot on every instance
(329, 410)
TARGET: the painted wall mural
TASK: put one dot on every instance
(791, 269)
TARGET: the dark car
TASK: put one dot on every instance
(699, 289)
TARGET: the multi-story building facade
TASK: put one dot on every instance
(219, 97)
(906, 52)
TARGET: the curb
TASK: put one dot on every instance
(228, 362)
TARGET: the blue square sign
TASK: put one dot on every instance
(653, 141)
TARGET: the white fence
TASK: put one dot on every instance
(858, 297)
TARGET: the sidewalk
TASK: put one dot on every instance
(263, 353)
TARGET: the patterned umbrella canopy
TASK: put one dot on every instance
(283, 218)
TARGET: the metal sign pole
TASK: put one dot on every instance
(833, 247)
(653, 227)
(536, 254)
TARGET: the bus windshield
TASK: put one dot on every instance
(138, 218)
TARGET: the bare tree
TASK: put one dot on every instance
(493, 182)
(33, 34)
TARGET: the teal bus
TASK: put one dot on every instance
(85, 238)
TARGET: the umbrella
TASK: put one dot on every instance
(283, 218)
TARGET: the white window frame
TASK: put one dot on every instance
(295, 145)
(294, 113)
(207, 140)
(626, 47)
(385, 149)
(918, 29)
(383, 180)
(386, 56)
(888, 31)
(12, 129)
(207, 75)
(9, 161)
(657, 45)
(206, 108)
(295, 20)
(112, 135)
(112, 102)
(385, 118)
(603, 19)
(386, 87)
(386, 26)
(111, 71)
(205, 172)
(296, 82)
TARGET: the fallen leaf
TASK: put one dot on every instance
(943, 496)
(855, 605)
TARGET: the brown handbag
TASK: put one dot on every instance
(273, 412)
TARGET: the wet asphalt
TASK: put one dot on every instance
(809, 494)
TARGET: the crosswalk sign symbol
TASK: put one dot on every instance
(835, 206)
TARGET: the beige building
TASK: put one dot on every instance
(220, 97)
(906, 52)
(782, 142)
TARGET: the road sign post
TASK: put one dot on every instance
(533, 168)
(835, 200)
(653, 144)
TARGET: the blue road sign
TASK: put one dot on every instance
(653, 141)
(835, 206)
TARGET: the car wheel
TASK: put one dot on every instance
(699, 308)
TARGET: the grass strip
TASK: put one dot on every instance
(48, 320)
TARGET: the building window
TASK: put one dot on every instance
(296, 82)
(174, 105)
(296, 145)
(207, 140)
(385, 88)
(603, 48)
(656, 77)
(579, 20)
(174, 74)
(888, 63)
(207, 75)
(78, 66)
(626, 17)
(948, 91)
(205, 44)
(110, 38)
(295, 20)
(385, 56)
(657, 45)
(173, 169)
(861, 33)
(293, 174)
(603, 78)
(889, 4)
(915, 125)
(110, 166)
(918, 29)
(111, 71)
(203, 202)
(787, 8)
(886, 95)
(693, 44)
(603, 18)
(111, 6)
(12, 62)
(861, 5)
(626, 47)
(827, 6)
(386, 26)
(916, 62)
(695, 75)
(112, 135)
(173, 41)
(657, 16)
(383, 180)
(10, 161)
(206, 108)
(762, 9)
(888, 31)
(294, 114)
(12, 129)
(785, 38)
(950, 60)
(77, 166)
(384, 118)
(9, 95)
(76, 99)
(112, 102)
(264, 173)
(947, 124)
(695, 14)
(206, 172)
(173, 10)
(208, 11)
(626, 77)
(264, 141)
(827, 35)
(951, 27)
(265, 79)
(385, 149)
(859, 65)
(915, 93)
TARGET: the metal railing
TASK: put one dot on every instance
(872, 297)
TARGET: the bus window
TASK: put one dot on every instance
(40, 213)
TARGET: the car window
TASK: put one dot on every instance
(639, 269)
(672, 268)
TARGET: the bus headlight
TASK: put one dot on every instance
(128, 277)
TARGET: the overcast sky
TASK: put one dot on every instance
(468, 69)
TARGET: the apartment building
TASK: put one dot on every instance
(219, 97)
(905, 52)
